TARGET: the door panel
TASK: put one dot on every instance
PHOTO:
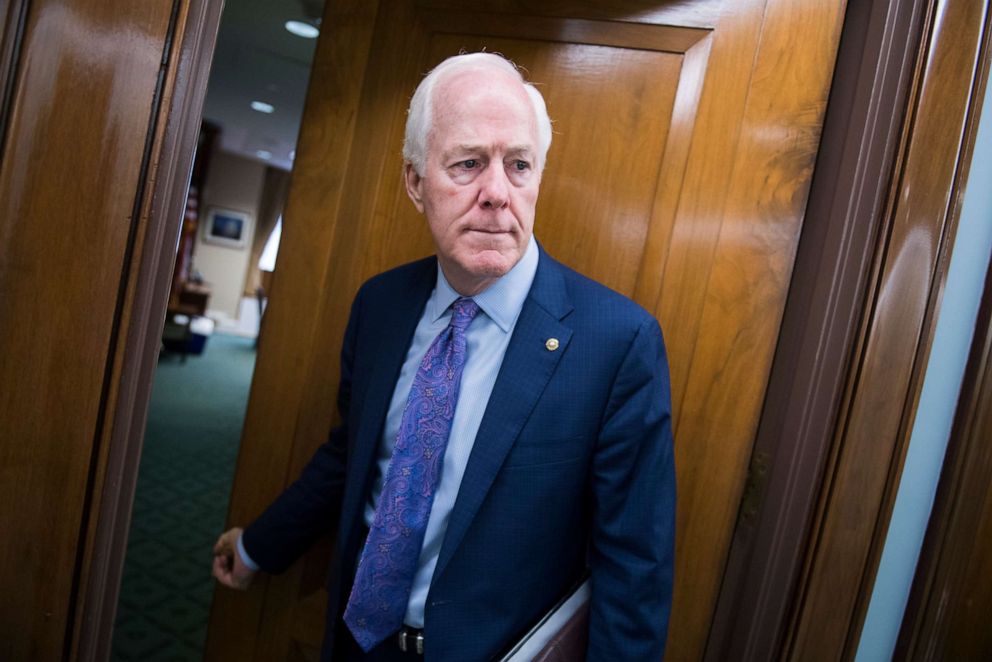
(82, 87)
(685, 135)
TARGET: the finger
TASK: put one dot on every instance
(224, 561)
(220, 572)
(221, 544)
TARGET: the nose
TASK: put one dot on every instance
(494, 191)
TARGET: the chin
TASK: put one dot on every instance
(491, 266)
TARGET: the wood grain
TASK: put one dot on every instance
(149, 276)
(642, 36)
(893, 345)
(947, 614)
(692, 13)
(826, 296)
(72, 165)
(298, 290)
(683, 187)
(747, 276)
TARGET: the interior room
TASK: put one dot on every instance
(794, 190)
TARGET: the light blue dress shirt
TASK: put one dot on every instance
(488, 337)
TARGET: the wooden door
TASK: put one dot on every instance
(685, 136)
(97, 99)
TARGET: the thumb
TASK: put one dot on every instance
(227, 541)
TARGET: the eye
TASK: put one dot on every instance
(521, 166)
(469, 164)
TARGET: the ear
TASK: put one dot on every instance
(414, 186)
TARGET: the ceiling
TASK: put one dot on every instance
(257, 59)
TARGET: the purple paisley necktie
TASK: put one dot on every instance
(389, 560)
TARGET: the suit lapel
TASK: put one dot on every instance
(527, 367)
(390, 344)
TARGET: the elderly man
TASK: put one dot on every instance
(505, 421)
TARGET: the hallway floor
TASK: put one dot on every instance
(184, 484)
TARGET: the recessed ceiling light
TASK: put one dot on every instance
(301, 29)
(262, 107)
(263, 154)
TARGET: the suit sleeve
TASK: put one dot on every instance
(311, 505)
(633, 497)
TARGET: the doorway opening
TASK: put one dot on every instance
(224, 268)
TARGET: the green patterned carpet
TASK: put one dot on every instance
(184, 483)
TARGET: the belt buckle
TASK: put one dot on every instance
(403, 640)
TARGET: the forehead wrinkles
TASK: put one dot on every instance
(481, 97)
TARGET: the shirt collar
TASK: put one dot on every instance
(503, 300)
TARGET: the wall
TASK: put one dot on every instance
(235, 183)
(938, 401)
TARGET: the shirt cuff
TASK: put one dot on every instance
(251, 565)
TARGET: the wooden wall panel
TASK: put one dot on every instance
(76, 160)
(747, 282)
(692, 204)
(891, 351)
(864, 122)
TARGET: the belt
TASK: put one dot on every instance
(410, 640)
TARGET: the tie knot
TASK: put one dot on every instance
(465, 311)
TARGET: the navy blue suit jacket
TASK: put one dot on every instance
(572, 467)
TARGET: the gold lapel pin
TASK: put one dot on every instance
(551, 344)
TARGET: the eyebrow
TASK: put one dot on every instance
(465, 148)
(521, 150)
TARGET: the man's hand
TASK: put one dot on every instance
(228, 566)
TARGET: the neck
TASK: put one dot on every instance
(465, 284)
(469, 287)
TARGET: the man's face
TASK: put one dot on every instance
(481, 177)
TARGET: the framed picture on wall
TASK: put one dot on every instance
(227, 227)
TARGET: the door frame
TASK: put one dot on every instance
(861, 131)
(944, 582)
(874, 166)
(163, 188)
(844, 226)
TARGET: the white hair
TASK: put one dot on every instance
(420, 116)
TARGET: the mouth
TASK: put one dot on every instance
(487, 238)
(487, 230)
